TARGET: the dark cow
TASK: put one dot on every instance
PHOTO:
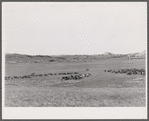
(45, 74)
(65, 78)
(110, 70)
(75, 72)
(116, 71)
(40, 75)
(87, 69)
(129, 73)
(33, 74)
(15, 77)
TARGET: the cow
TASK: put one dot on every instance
(116, 71)
(87, 69)
(40, 75)
(45, 74)
(129, 73)
(33, 74)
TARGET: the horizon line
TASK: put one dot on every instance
(71, 54)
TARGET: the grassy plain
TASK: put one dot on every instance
(101, 89)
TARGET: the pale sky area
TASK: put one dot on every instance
(55, 28)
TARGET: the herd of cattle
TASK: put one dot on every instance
(133, 71)
(69, 76)
(75, 76)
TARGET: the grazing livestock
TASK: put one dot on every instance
(33, 74)
(110, 70)
(87, 69)
(72, 75)
(133, 71)
(29, 76)
(116, 71)
(76, 73)
(75, 77)
(45, 74)
(87, 75)
(129, 73)
(15, 77)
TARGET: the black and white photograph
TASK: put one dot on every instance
(72, 58)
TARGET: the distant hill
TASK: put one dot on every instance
(112, 55)
(142, 54)
(22, 58)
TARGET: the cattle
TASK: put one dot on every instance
(29, 76)
(116, 71)
(124, 70)
(33, 74)
(19, 77)
(75, 76)
(129, 73)
(45, 74)
(110, 70)
(87, 75)
(11, 78)
(15, 77)
(65, 78)
(40, 75)
(87, 69)
(60, 73)
(24, 77)
(135, 72)
(75, 72)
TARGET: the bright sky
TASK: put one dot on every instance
(54, 28)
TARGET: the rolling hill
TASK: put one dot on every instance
(22, 58)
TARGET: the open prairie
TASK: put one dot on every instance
(100, 89)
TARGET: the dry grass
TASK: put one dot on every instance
(99, 90)
(72, 97)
